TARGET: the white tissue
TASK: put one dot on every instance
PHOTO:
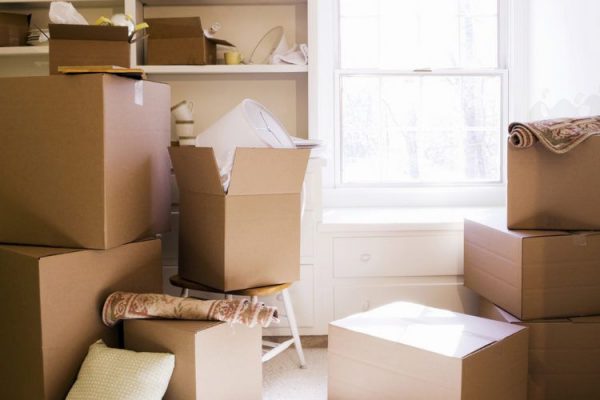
(297, 55)
(283, 54)
(63, 12)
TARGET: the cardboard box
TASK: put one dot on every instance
(564, 355)
(554, 191)
(180, 41)
(52, 300)
(13, 29)
(212, 359)
(78, 45)
(409, 351)
(533, 274)
(249, 236)
(84, 160)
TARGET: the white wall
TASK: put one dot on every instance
(564, 58)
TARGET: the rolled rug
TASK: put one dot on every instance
(122, 305)
(557, 135)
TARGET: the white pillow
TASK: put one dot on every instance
(115, 374)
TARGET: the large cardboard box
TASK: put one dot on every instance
(533, 274)
(52, 299)
(13, 29)
(78, 45)
(213, 360)
(83, 160)
(564, 355)
(249, 236)
(554, 191)
(180, 41)
(409, 351)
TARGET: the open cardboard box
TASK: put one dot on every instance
(13, 29)
(410, 351)
(554, 191)
(564, 355)
(52, 300)
(86, 45)
(180, 41)
(213, 360)
(84, 160)
(249, 236)
(533, 274)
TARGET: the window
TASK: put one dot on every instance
(420, 93)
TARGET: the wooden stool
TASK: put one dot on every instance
(254, 294)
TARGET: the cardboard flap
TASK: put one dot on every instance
(37, 252)
(196, 169)
(586, 320)
(431, 329)
(186, 27)
(268, 171)
(220, 41)
(169, 28)
(88, 32)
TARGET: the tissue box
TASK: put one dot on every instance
(88, 45)
(180, 41)
(84, 160)
(554, 191)
(212, 359)
(410, 351)
(249, 236)
(52, 300)
(533, 274)
(564, 355)
(13, 29)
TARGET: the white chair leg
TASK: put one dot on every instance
(185, 292)
(289, 311)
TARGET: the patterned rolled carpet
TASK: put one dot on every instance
(557, 135)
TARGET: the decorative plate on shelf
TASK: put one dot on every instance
(266, 45)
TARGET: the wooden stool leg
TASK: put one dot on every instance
(289, 310)
(185, 292)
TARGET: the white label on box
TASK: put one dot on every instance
(139, 93)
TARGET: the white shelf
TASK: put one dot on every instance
(26, 4)
(224, 69)
(220, 2)
(23, 51)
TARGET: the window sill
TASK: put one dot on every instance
(400, 218)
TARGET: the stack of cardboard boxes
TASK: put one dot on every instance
(542, 268)
(84, 187)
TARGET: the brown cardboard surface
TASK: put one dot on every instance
(212, 360)
(180, 41)
(13, 29)
(84, 160)
(389, 353)
(564, 355)
(554, 191)
(52, 301)
(80, 45)
(250, 236)
(533, 274)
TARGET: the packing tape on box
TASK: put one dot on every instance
(138, 97)
(580, 239)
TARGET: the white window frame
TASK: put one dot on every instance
(336, 194)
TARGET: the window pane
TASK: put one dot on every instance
(420, 129)
(409, 34)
